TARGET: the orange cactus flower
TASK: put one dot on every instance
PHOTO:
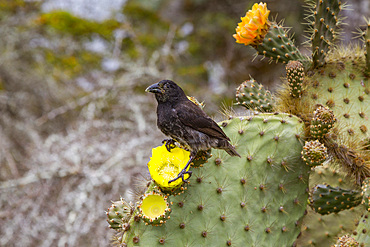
(254, 25)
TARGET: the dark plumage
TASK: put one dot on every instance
(186, 123)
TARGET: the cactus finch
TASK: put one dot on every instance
(184, 122)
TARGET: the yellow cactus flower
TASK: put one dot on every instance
(254, 25)
(154, 208)
(165, 166)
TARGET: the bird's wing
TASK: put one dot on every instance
(192, 116)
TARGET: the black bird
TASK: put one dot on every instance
(186, 123)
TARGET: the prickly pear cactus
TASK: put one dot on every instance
(119, 214)
(341, 86)
(314, 153)
(362, 233)
(326, 199)
(261, 198)
(233, 201)
(295, 76)
(254, 96)
(325, 22)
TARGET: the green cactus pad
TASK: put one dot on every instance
(279, 47)
(253, 95)
(328, 174)
(339, 85)
(342, 87)
(362, 232)
(314, 153)
(325, 27)
(326, 199)
(366, 191)
(256, 200)
(323, 230)
(119, 214)
(295, 76)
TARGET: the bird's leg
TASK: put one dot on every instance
(170, 144)
(184, 171)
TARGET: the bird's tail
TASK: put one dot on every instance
(230, 149)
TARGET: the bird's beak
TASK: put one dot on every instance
(153, 89)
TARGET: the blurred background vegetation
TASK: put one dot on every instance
(76, 126)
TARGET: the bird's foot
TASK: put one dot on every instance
(170, 144)
(181, 175)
